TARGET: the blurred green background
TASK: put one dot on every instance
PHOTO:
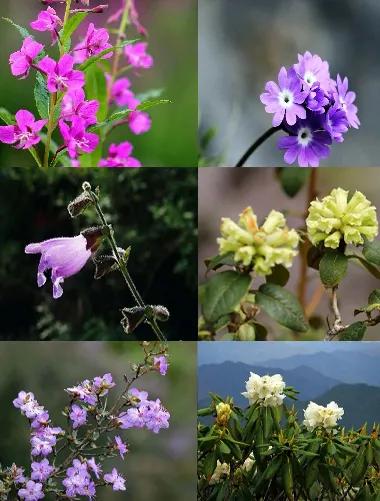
(153, 210)
(161, 467)
(172, 26)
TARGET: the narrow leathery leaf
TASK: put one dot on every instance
(150, 94)
(333, 268)
(282, 305)
(6, 116)
(287, 479)
(371, 252)
(23, 31)
(72, 24)
(209, 464)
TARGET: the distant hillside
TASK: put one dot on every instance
(229, 378)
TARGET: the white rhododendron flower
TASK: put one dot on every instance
(267, 390)
(221, 471)
(326, 417)
(248, 463)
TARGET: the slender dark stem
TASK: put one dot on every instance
(256, 144)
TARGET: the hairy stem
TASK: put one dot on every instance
(256, 144)
(53, 102)
(337, 326)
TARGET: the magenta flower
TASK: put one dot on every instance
(308, 142)
(74, 105)
(121, 446)
(24, 134)
(76, 139)
(117, 481)
(161, 364)
(285, 99)
(22, 60)
(47, 20)
(346, 99)
(42, 470)
(139, 122)
(78, 416)
(64, 256)
(119, 155)
(95, 41)
(60, 75)
(311, 68)
(122, 95)
(137, 56)
(31, 492)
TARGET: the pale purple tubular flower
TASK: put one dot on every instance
(48, 20)
(74, 105)
(119, 155)
(60, 75)
(121, 446)
(285, 99)
(22, 60)
(76, 139)
(311, 68)
(42, 470)
(64, 256)
(78, 481)
(161, 364)
(24, 134)
(95, 41)
(317, 99)
(78, 416)
(31, 492)
(137, 56)
(117, 481)
(308, 142)
(139, 122)
(346, 99)
(336, 122)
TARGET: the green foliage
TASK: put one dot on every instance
(293, 179)
(72, 24)
(41, 96)
(371, 251)
(354, 332)
(333, 268)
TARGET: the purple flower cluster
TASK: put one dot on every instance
(312, 108)
(89, 391)
(65, 80)
(149, 414)
(161, 364)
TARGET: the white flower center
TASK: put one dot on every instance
(82, 143)
(343, 103)
(61, 81)
(286, 98)
(24, 137)
(305, 136)
(309, 77)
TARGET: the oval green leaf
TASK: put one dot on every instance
(332, 268)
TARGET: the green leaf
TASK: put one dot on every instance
(41, 96)
(71, 25)
(354, 332)
(215, 262)
(222, 294)
(359, 467)
(279, 275)
(373, 303)
(23, 31)
(6, 116)
(333, 268)
(372, 269)
(209, 464)
(371, 251)
(152, 103)
(90, 61)
(272, 468)
(150, 94)
(282, 305)
(287, 479)
(292, 179)
(312, 472)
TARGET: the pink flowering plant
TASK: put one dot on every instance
(69, 462)
(66, 256)
(81, 90)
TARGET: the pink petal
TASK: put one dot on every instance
(7, 134)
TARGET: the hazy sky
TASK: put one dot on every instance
(257, 352)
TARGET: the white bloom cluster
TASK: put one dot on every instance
(326, 417)
(267, 390)
(221, 471)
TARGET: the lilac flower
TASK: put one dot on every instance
(137, 56)
(17, 474)
(31, 492)
(24, 134)
(117, 481)
(94, 467)
(139, 122)
(64, 256)
(121, 446)
(156, 417)
(137, 396)
(103, 384)
(95, 41)
(44, 440)
(22, 60)
(161, 364)
(47, 20)
(78, 481)
(84, 391)
(78, 416)
(28, 405)
(312, 69)
(308, 142)
(41, 471)
(346, 99)
(74, 105)
(317, 100)
(122, 95)
(285, 99)
(41, 420)
(132, 418)
(119, 155)
(76, 139)
(336, 122)
(60, 75)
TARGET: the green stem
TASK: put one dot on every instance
(120, 35)
(65, 19)
(53, 102)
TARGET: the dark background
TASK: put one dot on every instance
(244, 43)
(172, 26)
(153, 210)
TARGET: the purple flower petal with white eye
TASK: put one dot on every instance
(311, 68)
(64, 256)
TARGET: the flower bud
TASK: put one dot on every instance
(86, 186)
(79, 204)
(335, 218)
(223, 413)
(132, 318)
(246, 332)
(104, 265)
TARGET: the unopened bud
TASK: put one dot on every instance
(79, 204)
(104, 265)
(132, 318)
(223, 413)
